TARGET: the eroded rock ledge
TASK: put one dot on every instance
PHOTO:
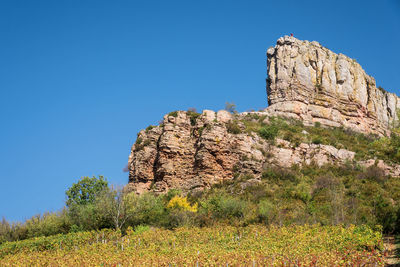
(309, 82)
(193, 153)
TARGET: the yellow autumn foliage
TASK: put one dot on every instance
(181, 203)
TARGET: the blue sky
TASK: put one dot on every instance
(79, 79)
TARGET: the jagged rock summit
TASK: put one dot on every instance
(309, 82)
(306, 81)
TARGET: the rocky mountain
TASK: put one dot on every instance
(306, 82)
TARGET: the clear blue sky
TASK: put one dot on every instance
(79, 79)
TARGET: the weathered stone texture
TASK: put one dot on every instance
(178, 154)
(309, 82)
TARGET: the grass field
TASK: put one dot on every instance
(254, 245)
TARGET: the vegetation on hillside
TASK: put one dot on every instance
(219, 245)
(365, 146)
(329, 195)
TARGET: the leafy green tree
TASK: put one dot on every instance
(81, 202)
(85, 190)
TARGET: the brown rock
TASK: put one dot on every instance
(178, 154)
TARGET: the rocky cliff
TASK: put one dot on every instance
(193, 153)
(309, 82)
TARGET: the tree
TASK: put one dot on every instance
(85, 191)
(117, 205)
(5, 230)
(230, 107)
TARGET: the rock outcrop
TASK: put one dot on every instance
(194, 153)
(309, 82)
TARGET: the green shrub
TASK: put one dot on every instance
(266, 209)
(172, 193)
(173, 114)
(233, 127)
(293, 138)
(141, 229)
(177, 218)
(193, 117)
(5, 229)
(142, 145)
(385, 213)
(149, 128)
(317, 140)
(255, 192)
(225, 207)
(88, 217)
(302, 191)
(373, 173)
(279, 173)
(48, 224)
(200, 130)
(148, 209)
(269, 132)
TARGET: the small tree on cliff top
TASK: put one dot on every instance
(230, 107)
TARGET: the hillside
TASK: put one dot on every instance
(308, 85)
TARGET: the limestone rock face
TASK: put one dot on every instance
(309, 82)
(305, 81)
(195, 154)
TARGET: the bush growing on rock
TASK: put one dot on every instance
(173, 114)
(233, 127)
(269, 132)
(193, 115)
